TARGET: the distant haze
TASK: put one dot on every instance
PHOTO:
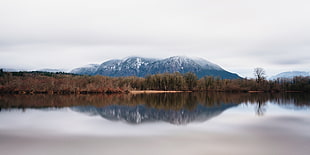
(238, 35)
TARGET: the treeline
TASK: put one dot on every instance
(172, 101)
(64, 83)
(189, 81)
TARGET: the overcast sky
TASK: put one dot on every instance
(238, 35)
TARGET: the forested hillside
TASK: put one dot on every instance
(64, 83)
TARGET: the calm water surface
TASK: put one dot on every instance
(181, 123)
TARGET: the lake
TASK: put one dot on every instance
(173, 123)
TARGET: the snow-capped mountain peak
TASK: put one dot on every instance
(206, 64)
(139, 66)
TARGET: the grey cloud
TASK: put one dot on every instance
(296, 61)
(230, 32)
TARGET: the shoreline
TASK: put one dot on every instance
(155, 91)
(110, 92)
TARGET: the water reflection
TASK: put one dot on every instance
(141, 113)
(178, 108)
(260, 108)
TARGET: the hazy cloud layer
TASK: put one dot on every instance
(238, 35)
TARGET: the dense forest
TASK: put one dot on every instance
(66, 83)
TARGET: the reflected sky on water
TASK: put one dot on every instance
(182, 123)
(151, 113)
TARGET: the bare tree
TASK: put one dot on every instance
(259, 74)
(260, 108)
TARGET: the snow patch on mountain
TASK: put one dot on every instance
(139, 66)
(206, 64)
(87, 69)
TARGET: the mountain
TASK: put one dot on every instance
(290, 75)
(12, 70)
(51, 70)
(142, 114)
(39, 70)
(86, 70)
(138, 66)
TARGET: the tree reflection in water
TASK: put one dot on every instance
(176, 108)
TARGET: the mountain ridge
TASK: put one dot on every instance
(141, 67)
(290, 74)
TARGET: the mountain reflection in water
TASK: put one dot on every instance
(140, 114)
(175, 108)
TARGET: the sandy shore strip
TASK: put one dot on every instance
(154, 91)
